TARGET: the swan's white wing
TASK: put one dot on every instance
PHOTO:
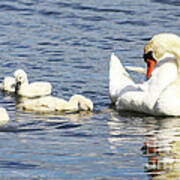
(36, 89)
(119, 79)
(135, 101)
(44, 104)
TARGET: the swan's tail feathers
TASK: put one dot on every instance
(118, 78)
(136, 69)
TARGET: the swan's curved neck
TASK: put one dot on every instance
(166, 71)
(164, 74)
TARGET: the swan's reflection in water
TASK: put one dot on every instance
(124, 130)
(162, 149)
(158, 140)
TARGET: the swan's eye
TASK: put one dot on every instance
(149, 55)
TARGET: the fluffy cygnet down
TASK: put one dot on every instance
(8, 84)
(4, 117)
(35, 89)
(54, 104)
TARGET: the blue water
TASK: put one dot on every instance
(69, 44)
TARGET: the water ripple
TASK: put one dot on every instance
(16, 165)
(50, 13)
(68, 126)
(169, 2)
(19, 130)
(78, 6)
(7, 7)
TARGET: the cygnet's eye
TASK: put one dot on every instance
(19, 78)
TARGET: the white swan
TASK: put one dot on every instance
(8, 84)
(4, 117)
(35, 89)
(160, 95)
(53, 104)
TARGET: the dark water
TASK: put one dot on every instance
(69, 44)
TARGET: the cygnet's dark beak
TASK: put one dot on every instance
(17, 86)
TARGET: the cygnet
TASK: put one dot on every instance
(4, 117)
(54, 104)
(35, 89)
(8, 84)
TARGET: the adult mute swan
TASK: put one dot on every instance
(8, 84)
(54, 104)
(160, 94)
(35, 89)
(4, 117)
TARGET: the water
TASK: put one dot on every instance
(69, 44)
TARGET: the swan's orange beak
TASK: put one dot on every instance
(150, 66)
